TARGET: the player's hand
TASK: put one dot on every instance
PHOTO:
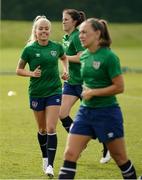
(65, 76)
(36, 72)
(87, 93)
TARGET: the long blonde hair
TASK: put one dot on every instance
(35, 23)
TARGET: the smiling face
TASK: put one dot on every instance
(42, 30)
(68, 23)
(88, 36)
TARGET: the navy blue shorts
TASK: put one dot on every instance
(39, 104)
(104, 123)
(74, 90)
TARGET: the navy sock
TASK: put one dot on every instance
(128, 170)
(66, 122)
(68, 170)
(42, 139)
(104, 150)
(52, 146)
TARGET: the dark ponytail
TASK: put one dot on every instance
(101, 25)
(81, 18)
(105, 39)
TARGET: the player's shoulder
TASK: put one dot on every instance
(112, 54)
(106, 52)
(29, 45)
(75, 34)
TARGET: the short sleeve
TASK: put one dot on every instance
(61, 50)
(114, 67)
(25, 54)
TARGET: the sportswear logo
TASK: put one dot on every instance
(54, 53)
(57, 100)
(34, 104)
(110, 135)
(37, 55)
(96, 64)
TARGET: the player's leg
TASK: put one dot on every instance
(42, 136)
(71, 93)
(52, 115)
(67, 103)
(38, 107)
(75, 145)
(118, 153)
(80, 133)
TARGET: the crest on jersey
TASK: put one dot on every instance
(34, 104)
(96, 64)
(54, 53)
(66, 43)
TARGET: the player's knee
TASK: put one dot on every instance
(64, 112)
(70, 155)
(51, 129)
(42, 131)
(119, 157)
(63, 115)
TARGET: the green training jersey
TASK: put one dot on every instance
(97, 71)
(47, 57)
(72, 46)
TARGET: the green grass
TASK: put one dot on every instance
(126, 35)
(16, 34)
(20, 154)
(126, 42)
(130, 57)
(19, 151)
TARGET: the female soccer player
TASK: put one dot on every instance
(99, 115)
(45, 89)
(73, 87)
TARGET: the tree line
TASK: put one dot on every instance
(111, 10)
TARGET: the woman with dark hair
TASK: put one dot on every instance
(73, 48)
(99, 116)
(73, 86)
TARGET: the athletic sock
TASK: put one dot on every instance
(42, 139)
(66, 122)
(104, 150)
(128, 170)
(68, 170)
(52, 146)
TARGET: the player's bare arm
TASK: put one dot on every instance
(21, 71)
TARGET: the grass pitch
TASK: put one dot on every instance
(20, 156)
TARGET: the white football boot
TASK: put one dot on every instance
(44, 164)
(49, 171)
(106, 158)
